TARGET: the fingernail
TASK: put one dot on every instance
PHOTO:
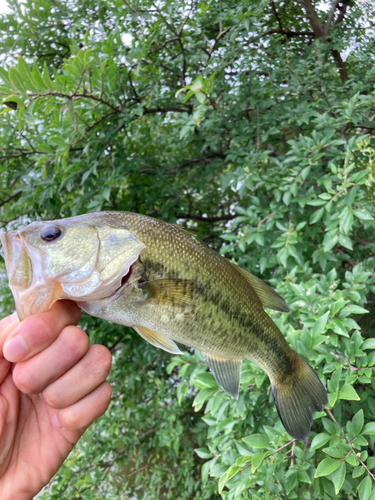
(15, 349)
(55, 422)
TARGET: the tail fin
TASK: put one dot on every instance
(298, 398)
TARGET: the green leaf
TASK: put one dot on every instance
(16, 80)
(348, 392)
(338, 477)
(203, 453)
(232, 471)
(346, 220)
(25, 74)
(369, 429)
(368, 344)
(201, 397)
(46, 78)
(257, 460)
(205, 380)
(333, 452)
(290, 482)
(345, 241)
(327, 466)
(351, 459)
(363, 214)
(320, 440)
(320, 325)
(364, 488)
(5, 77)
(330, 240)
(257, 441)
(353, 309)
(316, 216)
(244, 460)
(37, 78)
(358, 421)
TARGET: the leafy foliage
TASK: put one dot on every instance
(251, 123)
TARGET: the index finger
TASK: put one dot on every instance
(37, 332)
(7, 325)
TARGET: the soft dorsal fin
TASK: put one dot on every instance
(267, 295)
(157, 340)
(227, 372)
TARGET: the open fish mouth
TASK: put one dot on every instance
(32, 294)
(42, 272)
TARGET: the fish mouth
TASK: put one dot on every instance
(32, 295)
(96, 281)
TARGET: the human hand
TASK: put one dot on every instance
(52, 387)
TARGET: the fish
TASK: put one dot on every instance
(167, 284)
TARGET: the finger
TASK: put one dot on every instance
(7, 325)
(85, 411)
(80, 380)
(6, 321)
(37, 332)
(35, 374)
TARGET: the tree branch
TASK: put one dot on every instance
(313, 18)
(288, 33)
(322, 32)
(205, 219)
(340, 65)
(327, 25)
(342, 13)
(276, 14)
(169, 109)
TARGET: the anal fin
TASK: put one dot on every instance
(157, 340)
(227, 372)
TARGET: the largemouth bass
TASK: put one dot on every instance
(170, 287)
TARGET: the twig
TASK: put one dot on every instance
(264, 220)
(276, 451)
(351, 447)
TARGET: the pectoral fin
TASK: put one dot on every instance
(227, 372)
(157, 340)
(172, 293)
(267, 295)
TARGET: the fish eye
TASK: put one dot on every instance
(50, 233)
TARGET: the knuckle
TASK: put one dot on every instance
(101, 360)
(70, 419)
(38, 329)
(76, 341)
(52, 398)
(24, 380)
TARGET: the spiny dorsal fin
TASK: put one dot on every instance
(227, 372)
(267, 295)
(172, 293)
(157, 340)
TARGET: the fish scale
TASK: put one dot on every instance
(170, 287)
